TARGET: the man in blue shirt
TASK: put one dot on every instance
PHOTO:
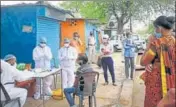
(129, 54)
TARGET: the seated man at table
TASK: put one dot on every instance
(28, 84)
(9, 75)
(84, 67)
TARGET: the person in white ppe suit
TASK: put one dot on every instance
(42, 56)
(29, 84)
(9, 75)
(67, 57)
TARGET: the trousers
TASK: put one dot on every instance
(14, 93)
(129, 63)
(108, 63)
(68, 77)
(91, 54)
(47, 82)
(68, 94)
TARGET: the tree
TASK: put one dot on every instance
(123, 10)
(149, 30)
(88, 9)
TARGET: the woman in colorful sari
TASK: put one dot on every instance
(161, 55)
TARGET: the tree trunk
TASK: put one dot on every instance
(120, 27)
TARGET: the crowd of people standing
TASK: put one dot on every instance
(159, 59)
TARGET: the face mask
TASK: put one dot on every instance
(66, 45)
(76, 38)
(80, 63)
(158, 35)
(42, 45)
(14, 65)
(105, 40)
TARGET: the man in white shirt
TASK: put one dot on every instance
(91, 48)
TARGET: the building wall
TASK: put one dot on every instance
(40, 11)
(67, 31)
(21, 30)
(18, 32)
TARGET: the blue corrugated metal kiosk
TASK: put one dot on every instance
(23, 24)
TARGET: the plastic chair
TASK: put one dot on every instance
(89, 84)
(7, 97)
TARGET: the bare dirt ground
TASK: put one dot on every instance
(106, 95)
(138, 91)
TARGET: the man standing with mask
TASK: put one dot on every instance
(42, 56)
(91, 47)
(67, 58)
(76, 42)
(129, 53)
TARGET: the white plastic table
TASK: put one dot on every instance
(45, 74)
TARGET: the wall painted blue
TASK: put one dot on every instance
(13, 40)
(40, 10)
(90, 28)
(21, 44)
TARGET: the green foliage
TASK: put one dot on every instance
(150, 29)
(140, 10)
(95, 10)
(88, 9)
(72, 5)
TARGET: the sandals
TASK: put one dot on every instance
(106, 83)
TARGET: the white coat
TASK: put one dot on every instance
(9, 75)
(42, 58)
(67, 58)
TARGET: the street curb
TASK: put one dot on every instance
(126, 95)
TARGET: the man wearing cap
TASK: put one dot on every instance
(28, 84)
(76, 42)
(67, 57)
(9, 75)
(91, 47)
(11, 59)
(42, 56)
